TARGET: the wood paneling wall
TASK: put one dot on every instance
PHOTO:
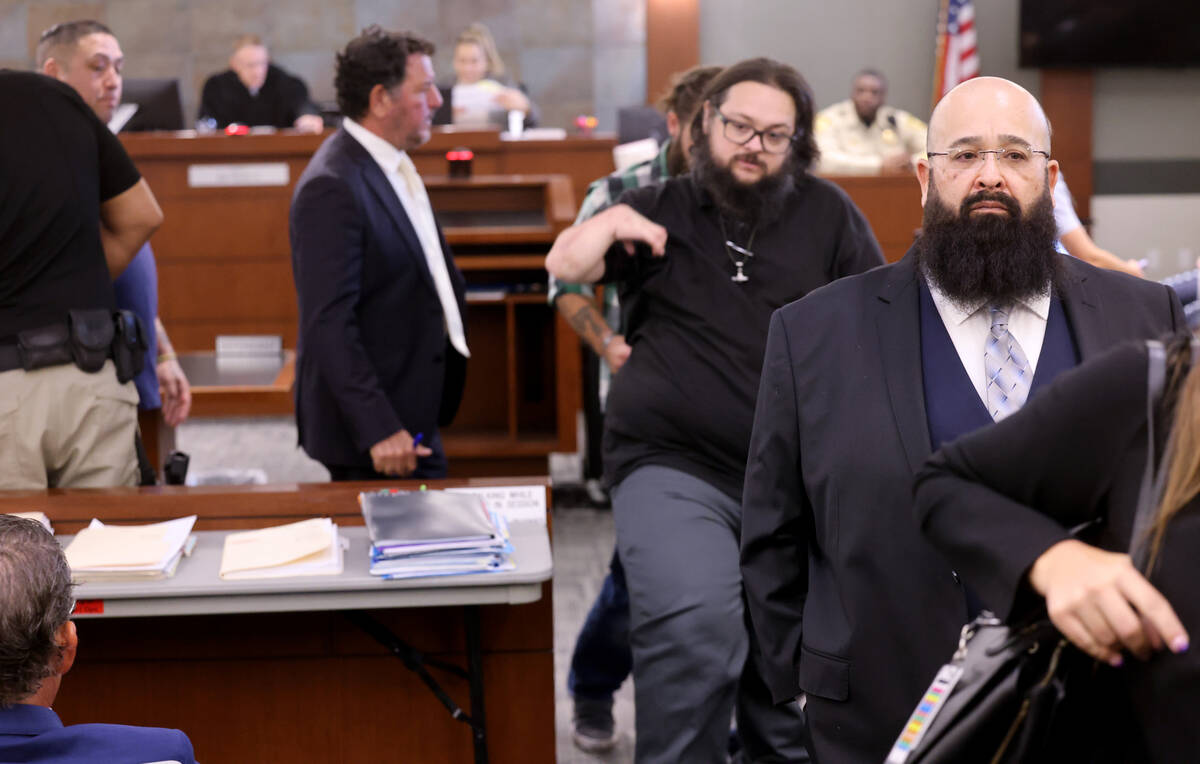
(672, 41)
(1067, 100)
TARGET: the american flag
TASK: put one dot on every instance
(957, 54)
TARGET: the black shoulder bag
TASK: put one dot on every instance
(1018, 693)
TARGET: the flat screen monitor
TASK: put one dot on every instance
(1109, 33)
(159, 104)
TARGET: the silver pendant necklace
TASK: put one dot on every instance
(739, 256)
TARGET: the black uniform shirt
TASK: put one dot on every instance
(685, 399)
(278, 103)
(58, 162)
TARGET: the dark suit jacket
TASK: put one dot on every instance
(995, 500)
(373, 356)
(35, 734)
(850, 604)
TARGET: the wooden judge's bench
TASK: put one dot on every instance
(892, 205)
(224, 267)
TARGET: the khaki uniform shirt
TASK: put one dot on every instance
(848, 147)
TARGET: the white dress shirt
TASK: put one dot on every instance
(402, 175)
(969, 329)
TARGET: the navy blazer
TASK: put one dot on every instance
(850, 604)
(35, 734)
(372, 356)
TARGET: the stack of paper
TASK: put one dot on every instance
(431, 533)
(307, 548)
(102, 552)
(474, 103)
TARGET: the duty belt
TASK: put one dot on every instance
(10, 357)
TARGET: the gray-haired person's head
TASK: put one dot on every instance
(35, 601)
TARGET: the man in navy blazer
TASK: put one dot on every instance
(382, 348)
(37, 646)
(862, 379)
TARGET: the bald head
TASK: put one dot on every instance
(993, 111)
(988, 229)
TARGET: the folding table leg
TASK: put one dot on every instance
(414, 661)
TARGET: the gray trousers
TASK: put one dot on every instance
(693, 655)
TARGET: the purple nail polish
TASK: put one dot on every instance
(1116, 661)
(1180, 645)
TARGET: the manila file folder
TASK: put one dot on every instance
(308, 547)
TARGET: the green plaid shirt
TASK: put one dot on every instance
(600, 195)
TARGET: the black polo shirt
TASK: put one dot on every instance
(685, 399)
(58, 162)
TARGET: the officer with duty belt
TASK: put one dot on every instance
(863, 136)
(73, 212)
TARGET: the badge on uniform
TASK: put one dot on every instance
(925, 712)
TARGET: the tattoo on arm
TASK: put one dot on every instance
(588, 323)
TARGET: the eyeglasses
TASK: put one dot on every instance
(773, 141)
(1017, 158)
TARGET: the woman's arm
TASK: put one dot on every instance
(1100, 602)
(998, 504)
(1080, 245)
(512, 99)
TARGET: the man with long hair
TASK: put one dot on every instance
(702, 260)
(602, 660)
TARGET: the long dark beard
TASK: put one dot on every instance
(989, 258)
(748, 203)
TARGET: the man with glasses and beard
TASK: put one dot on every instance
(702, 261)
(863, 380)
(601, 660)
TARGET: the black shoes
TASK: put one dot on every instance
(594, 728)
(596, 495)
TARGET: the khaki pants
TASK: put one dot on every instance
(61, 427)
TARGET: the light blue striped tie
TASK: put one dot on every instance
(1007, 368)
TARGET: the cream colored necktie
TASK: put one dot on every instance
(434, 257)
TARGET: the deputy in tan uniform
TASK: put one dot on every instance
(862, 136)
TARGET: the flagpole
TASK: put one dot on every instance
(939, 59)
